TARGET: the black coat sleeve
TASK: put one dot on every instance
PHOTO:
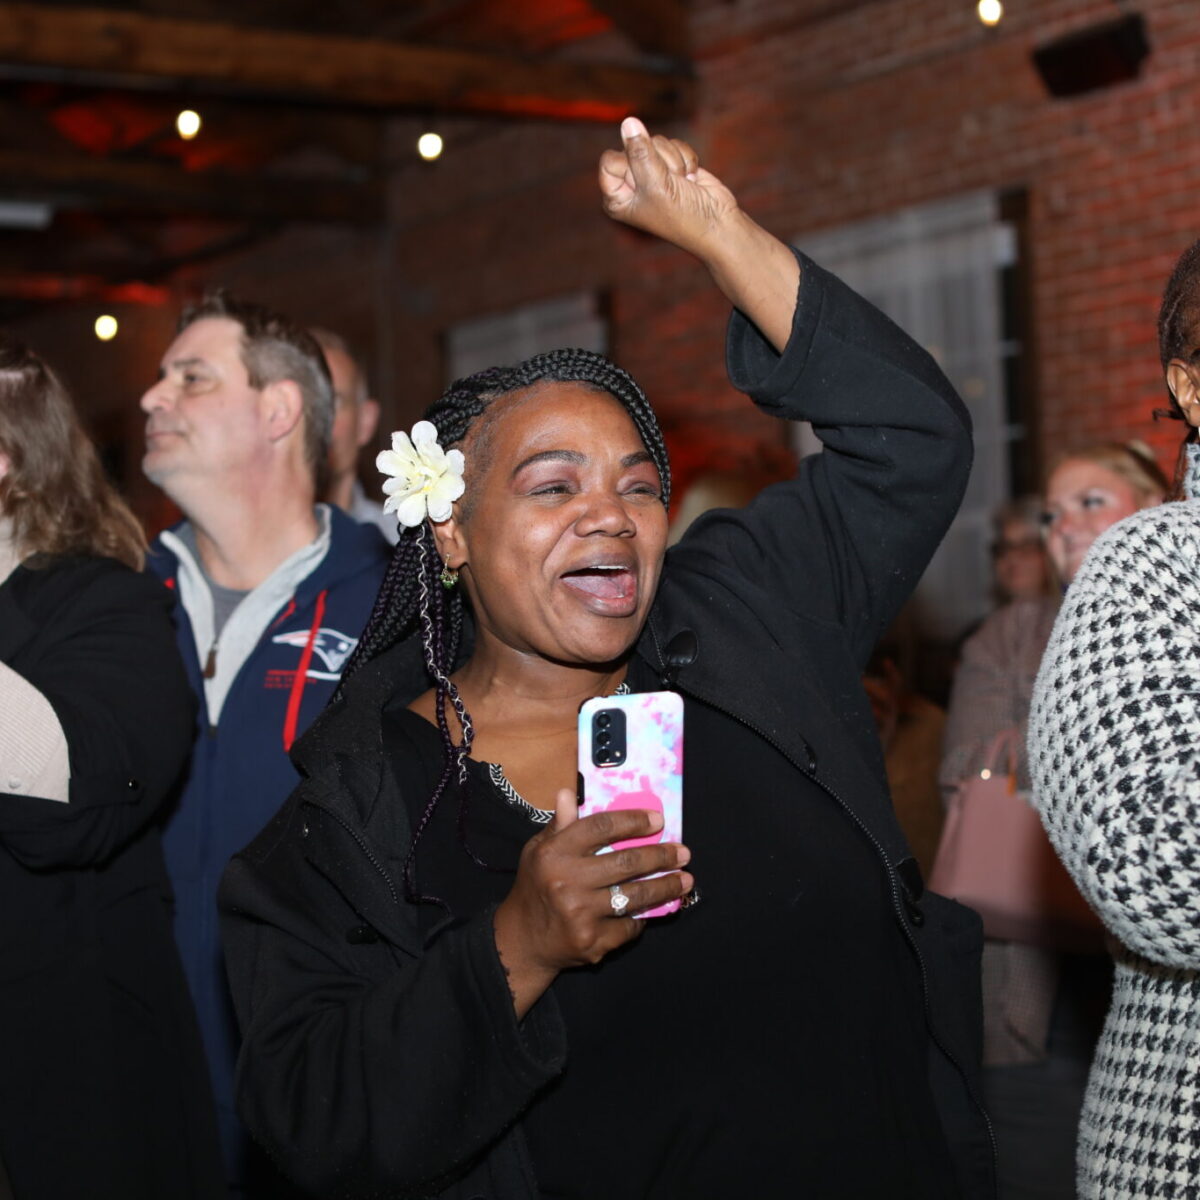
(844, 542)
(103, 654)
(368, 1068)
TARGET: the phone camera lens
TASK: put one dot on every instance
(604, 739)
(604, 720)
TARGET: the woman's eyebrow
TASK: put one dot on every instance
(576, 459)
(570, 456)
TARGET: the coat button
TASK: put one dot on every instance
(15, 783)
(304, 830)
(812, 757)
(681, 651)
(133, 785)
(913, 910)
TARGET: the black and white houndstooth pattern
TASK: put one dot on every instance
(1114, 752)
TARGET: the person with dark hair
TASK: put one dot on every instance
(443, 989)
(273, 590)
(1116, 774)
(355, 420)
(103, 1090)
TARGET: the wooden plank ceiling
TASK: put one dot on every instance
(294, 94)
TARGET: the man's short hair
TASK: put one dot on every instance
(275, 348)
(328, 340)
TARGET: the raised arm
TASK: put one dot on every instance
(846, 541)
(657, 185)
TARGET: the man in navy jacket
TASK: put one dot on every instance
(273, 591)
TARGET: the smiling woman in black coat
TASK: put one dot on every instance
(103, 1090)
(806, 1029)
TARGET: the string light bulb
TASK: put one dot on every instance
(429, 146)
(187, 124)
(106, 327)
(989, 11)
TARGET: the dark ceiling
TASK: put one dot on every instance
(295, 96)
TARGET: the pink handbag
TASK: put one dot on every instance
(994, 856)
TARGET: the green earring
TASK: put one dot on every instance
(449, 577)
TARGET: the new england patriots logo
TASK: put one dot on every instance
(333, 646)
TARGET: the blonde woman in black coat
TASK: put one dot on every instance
(103, 1090)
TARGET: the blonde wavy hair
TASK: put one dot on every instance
(1132, 461)
(55, 491)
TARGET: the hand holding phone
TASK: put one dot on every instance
(631, 756)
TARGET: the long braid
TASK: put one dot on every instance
(412, 603)
(393, 615)
(432, 613)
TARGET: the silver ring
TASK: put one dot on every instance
(618, 899)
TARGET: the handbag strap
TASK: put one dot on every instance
(1001, 753)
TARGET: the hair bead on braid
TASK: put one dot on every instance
(411, 602)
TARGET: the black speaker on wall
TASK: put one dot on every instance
(1093, 58)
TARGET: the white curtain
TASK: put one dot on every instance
(509, 337)
(935, 270)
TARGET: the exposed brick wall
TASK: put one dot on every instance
(819, 114)
(896, 103)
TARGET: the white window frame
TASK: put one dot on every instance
(501, 339)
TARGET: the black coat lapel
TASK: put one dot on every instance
(343, 850)
(775, 693)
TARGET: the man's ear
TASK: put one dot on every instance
(282, 408)
(1181, 379)
(366, 422)
(451, 546)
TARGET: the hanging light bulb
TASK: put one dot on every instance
(105, 328)
(429, 146)
(188, 124)
(989, 11)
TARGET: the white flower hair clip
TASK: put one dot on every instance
(423, 479)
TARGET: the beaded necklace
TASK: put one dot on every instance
(539, 816)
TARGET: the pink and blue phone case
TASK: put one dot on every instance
(651, 775)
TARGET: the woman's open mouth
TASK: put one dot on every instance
(610, 590)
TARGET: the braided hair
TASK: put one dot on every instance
(1179, 313)
(411, 601)
(1178, 319)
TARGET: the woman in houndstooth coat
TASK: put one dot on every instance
(1115, 763)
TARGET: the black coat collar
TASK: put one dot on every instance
(773, 690)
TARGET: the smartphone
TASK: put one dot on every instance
(631, 756)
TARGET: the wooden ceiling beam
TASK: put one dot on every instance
(105, 185)
(656, 26)
(156, 51)
(42, 288)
